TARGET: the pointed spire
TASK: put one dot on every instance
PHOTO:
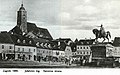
(22, 4)
(22, 8)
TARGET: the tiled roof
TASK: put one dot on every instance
(40, 32)
(22, 41)
(31, 27)
(5, 38)
(40, 40)
(86, 42)
(16, 30)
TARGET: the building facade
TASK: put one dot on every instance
(6, 47)
(25, 48)
(68, 51)
(83, 50)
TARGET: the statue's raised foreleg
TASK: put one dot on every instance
(103, 40)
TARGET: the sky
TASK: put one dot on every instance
(65, 18)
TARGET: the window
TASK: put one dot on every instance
(23, 41)
(77, 52)
(77, 47)
(2, 46)
(10, 47)
(29, 50)
(68, 49)
(18, 49)
(43, 51)
(80, 47)
(34, 50)
(18, 56)
(81, 42)
(18, 41)
(80, 52)
(87, 52)
(29, 57)
(84, 53)
(84, 47)
(23, 49)
(87, 42)
(30, 42)
(87, 47)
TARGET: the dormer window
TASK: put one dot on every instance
(82, 43)
(18, 41)
(49, 46)
(23, 41)
(87, 42)
(41, 45)
(37, 44)
(30, 42)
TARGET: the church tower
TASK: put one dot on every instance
(22, 19)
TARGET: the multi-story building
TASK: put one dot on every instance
(83, 50)
(6, 46)
(25, 48)
(43, 51)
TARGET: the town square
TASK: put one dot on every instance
(28, 45)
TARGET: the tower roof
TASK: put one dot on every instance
(22, 8)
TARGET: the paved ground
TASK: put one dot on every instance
(31, 64)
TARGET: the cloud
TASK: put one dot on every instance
(65, 16)
(87, 10)
(87, 14)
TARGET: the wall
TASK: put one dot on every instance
(58, 53)
(44, 52)
(83, 50)
(68, 51)
(116, 52)
(28, 50)
(6, 47)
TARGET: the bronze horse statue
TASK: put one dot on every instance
(104, 35)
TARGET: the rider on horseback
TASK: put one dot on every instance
(102, 31)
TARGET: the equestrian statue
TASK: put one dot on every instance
(101, 34)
